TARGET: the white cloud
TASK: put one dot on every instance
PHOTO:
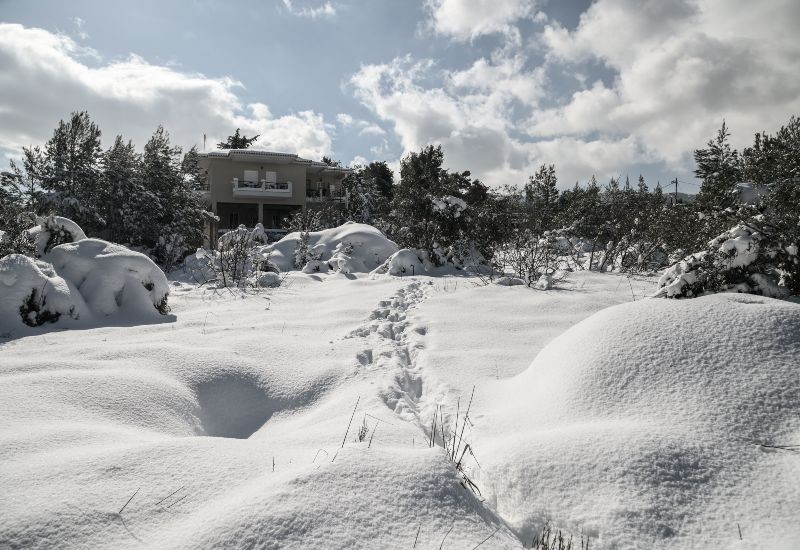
(358, 161)
(681, 68)
(325, 9)
(79, 26)
(468, 19)
(470, 114)
(42, 79)
(344, 119)
(372, 130)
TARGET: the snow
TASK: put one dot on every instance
(403, 262)
(741, 248)
(20, 277)
(450, 203)
(369, 248)
(42, 233)
(111, 277)
(86, 281)
(658, 442)
(631, 420)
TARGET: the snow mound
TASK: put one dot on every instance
(111, 277)
(403, 262)
(52, 231)
(32, 293)
(648, 423)
(357, 247)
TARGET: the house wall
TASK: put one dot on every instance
(221, 172)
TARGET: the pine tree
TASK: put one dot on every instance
(127, 204)
(541, 194)
(191, 170)
(383, 177)
(68, 171)
(175, 222)
(642, 185)
(237, 141)
(719, 167)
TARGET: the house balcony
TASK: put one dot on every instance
(263, 188)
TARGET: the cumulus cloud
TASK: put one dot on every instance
(468, 19)
(671, 72)
(472, 116)
(42, 79)
(681, 68)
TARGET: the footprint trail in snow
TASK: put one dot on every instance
(393, 343)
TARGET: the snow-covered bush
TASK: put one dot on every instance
(52, 231)
(240, 260)
(342, 258)
(538, 260)
(408, 261)
(31, 291)
(264, 279)
(356, 247)
(745, 259)
(302, 252)
(201, 265)
(111, 278)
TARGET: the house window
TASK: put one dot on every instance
(271, 177)
(250, 175)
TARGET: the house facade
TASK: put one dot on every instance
(248, 186)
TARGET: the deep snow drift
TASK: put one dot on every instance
(643, 425)
(650, 422)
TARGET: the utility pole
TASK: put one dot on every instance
(676, 190)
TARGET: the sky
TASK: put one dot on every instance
(613, 88)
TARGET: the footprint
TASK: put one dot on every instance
(365, 357)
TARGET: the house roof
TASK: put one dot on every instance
(275, 157)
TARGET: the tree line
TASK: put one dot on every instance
(623, 225)
(143, 199)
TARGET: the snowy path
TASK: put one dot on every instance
(390, 346)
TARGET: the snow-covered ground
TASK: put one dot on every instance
(638, 426)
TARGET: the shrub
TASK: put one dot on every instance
(33, 312)
(752, 257)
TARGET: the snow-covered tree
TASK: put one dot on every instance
(67, 171)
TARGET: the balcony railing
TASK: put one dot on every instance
(262, 188)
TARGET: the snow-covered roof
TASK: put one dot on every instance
(272, 156)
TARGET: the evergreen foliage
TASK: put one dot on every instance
(237, 141)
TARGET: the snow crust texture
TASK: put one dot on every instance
(656, 422)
